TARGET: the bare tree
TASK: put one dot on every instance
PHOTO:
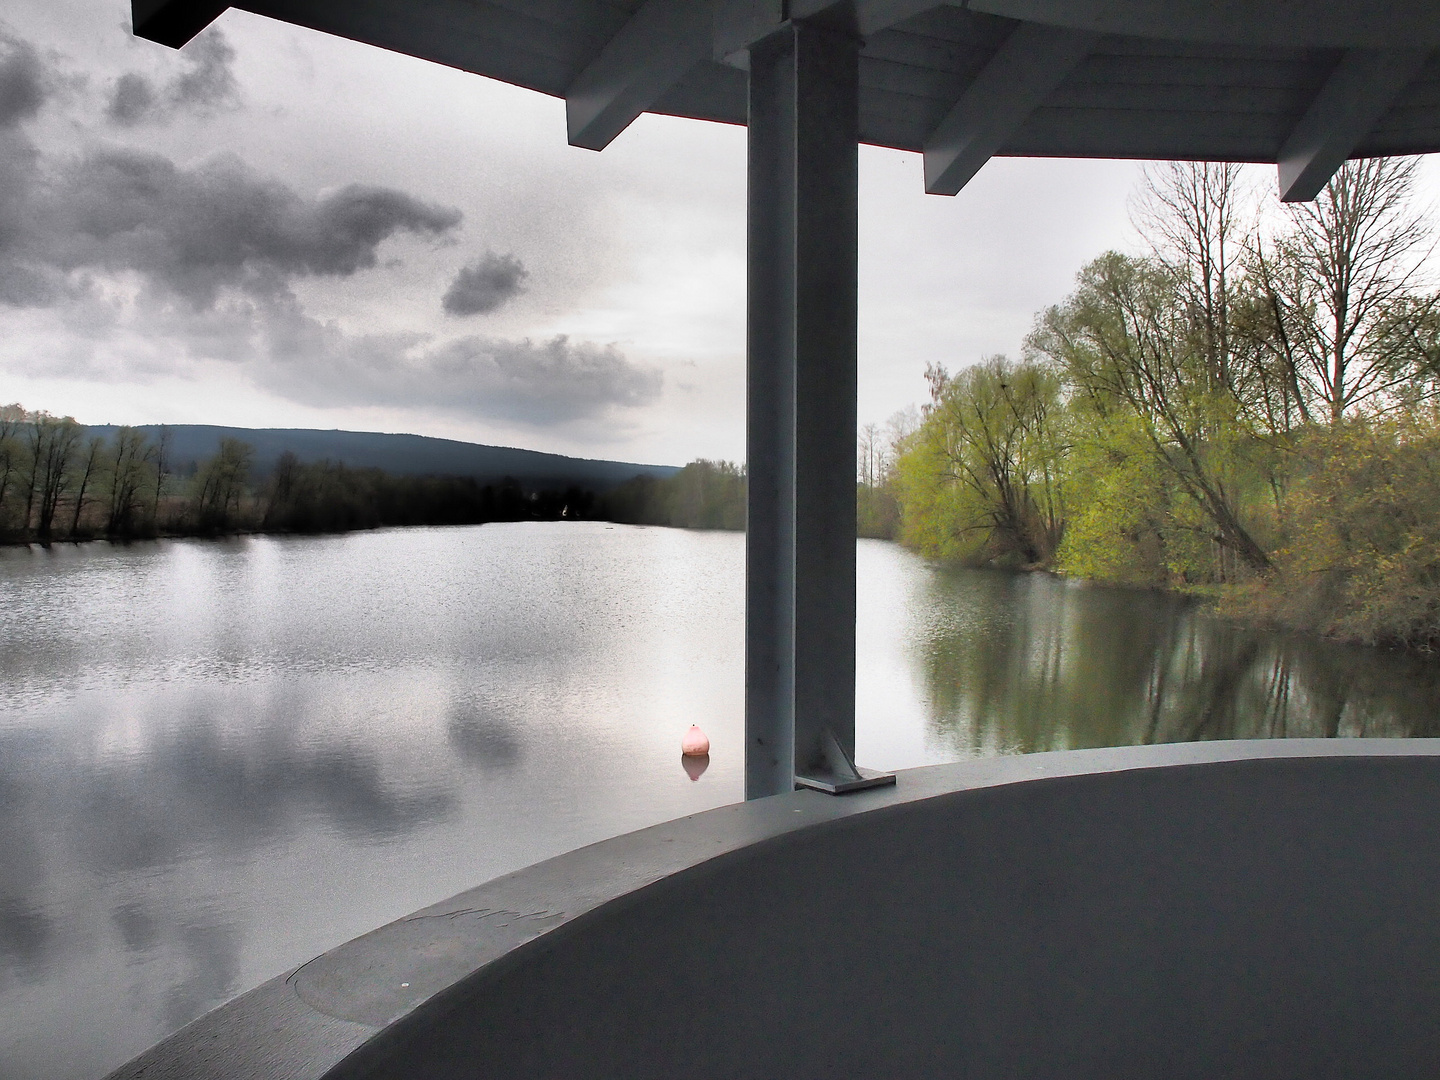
(53, 444)
(869, 451)
(1195, 216)
(162, 465)
(1341, 287)
(284, 479)
(220, 484)
(899, 429)
(129, 460)
(93, 459)
(11, 419)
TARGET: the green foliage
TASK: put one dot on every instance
(877, 511)
(702, 495)
(1118, 526)
(981, 481)
(1248, 414)
(1362, 559)
(1131, 348)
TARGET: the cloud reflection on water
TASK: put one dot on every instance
(482, 735)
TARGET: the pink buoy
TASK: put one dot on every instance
(695, 744)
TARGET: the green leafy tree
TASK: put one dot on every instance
(982, 478)
(1127, 345)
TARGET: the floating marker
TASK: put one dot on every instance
(695, 744)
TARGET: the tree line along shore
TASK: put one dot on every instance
(61, 483)
(1248, 410)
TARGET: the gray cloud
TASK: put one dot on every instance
(195, 231)
(485, 284)
(132, 99)
(209, 82)
(206, 83)
(543, 384)
(195, 263)
(23, 86)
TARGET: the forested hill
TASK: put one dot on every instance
(400, 455)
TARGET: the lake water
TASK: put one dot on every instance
(219, 759)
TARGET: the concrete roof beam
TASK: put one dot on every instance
(1034, 60)
(653, 51)
(1394, 24)
(1358, 93)
(174, 22)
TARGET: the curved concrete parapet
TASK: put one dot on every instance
(1242, 909)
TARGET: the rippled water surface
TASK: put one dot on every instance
(220, 759)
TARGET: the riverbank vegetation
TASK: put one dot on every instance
(702, 495)
(57, 482)
(1249, 409)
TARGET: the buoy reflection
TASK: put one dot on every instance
(695, 765)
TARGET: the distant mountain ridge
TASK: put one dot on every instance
(400, 455)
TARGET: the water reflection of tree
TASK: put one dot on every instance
(1026, 662)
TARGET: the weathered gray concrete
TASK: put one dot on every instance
(1251, 909)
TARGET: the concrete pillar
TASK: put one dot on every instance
(800, 543)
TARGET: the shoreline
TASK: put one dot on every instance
(1224, 603)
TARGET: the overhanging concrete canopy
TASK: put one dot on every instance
(1024, 71)
(1362, 87)
(1224, 80)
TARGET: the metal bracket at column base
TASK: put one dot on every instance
(835, 774)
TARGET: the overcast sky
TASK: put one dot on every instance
(272, 227)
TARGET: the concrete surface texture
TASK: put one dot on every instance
(1245, 909)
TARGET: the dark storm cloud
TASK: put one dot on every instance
(192, 232)
(482, 735)
(227, 243)
(18, 284)
(23, 87)
(207, 82)
(540, 384)
(548, 383)
(196, 263)
(485, 284)
(132, 100)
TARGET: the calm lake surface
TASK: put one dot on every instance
(219, 759)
